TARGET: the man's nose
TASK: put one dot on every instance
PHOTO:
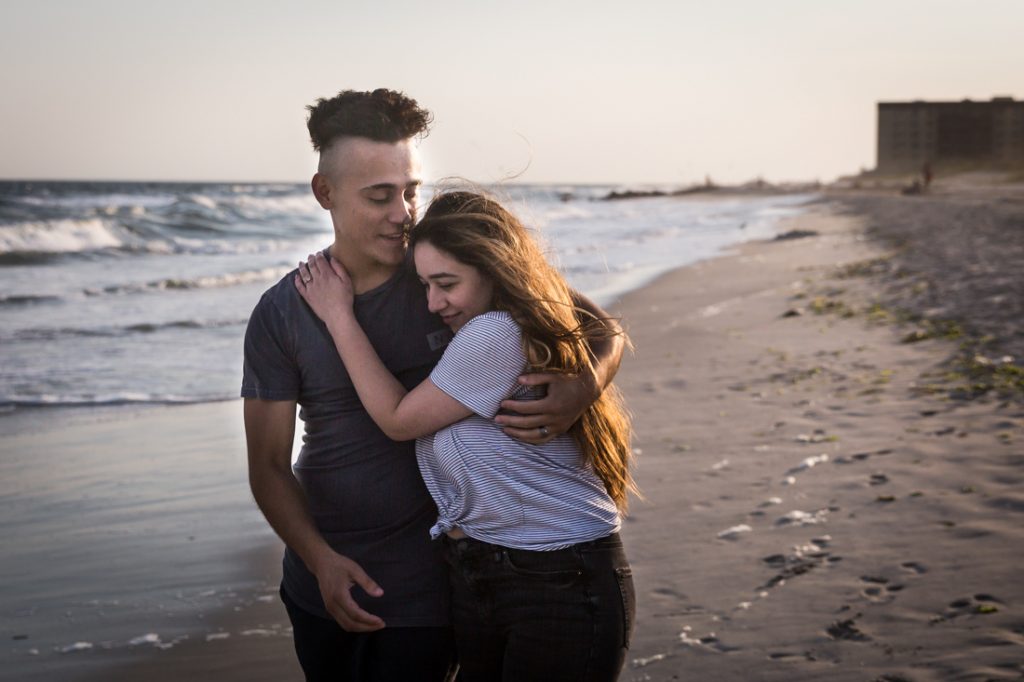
(403, 211)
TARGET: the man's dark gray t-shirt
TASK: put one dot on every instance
(364, 490)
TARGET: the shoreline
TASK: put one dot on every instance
(808, 512)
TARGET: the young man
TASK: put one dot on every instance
(363, 584)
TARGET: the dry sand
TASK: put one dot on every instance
(810, 512)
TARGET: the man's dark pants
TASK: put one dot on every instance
(328, 653)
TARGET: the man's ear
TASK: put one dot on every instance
(321, 190)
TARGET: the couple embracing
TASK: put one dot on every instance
(465, 462)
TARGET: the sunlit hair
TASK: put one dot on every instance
(381, 115)
(478, 231)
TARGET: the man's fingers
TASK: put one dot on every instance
(359, 577)
(531, 436)
(523, 421)
(539, 379)
(521, 407)
(350, 624)
(352, 617)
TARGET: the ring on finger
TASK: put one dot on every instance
(544, 432)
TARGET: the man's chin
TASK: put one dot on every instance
(393, 257)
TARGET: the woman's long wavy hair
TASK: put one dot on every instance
(477, 230)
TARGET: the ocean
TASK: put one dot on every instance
(115, 293)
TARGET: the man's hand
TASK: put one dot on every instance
(538, 421)
(336, 575)
(568, 397)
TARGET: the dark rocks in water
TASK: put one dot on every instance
(633, 194)
(795, 234)
(645, 194)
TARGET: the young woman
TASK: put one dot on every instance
(541, 588)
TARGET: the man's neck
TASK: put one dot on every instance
(365, 275)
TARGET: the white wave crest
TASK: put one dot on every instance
(99, 200)
(59, 236)
(224, 280)
(120, 398)
(203, 200)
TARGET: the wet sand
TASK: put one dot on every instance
(133, 550)
(817, 505)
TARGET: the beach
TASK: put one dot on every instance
(818, 506)
(822, 498)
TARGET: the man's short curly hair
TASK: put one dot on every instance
(382, 115)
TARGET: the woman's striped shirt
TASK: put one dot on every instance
(493, 487)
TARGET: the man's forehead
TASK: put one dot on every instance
(373, 163)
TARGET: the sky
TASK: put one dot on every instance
(545, 91)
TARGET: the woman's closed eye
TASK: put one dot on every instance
(443, 286)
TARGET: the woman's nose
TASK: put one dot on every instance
(434, 301)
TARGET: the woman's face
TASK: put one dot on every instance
(455, 291)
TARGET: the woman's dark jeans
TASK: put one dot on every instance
(523, 615)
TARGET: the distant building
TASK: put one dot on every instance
(963, 134)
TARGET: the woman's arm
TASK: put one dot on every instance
(400, 414)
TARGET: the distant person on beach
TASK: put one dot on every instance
(364, 586)
(541, 589)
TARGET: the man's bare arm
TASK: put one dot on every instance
(269, 432)
(605, 348)
(568, 397)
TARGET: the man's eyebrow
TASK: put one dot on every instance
(391, 185)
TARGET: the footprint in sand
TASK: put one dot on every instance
(976, 605)
(914, 567)
(790, 656)
(669, 605)
(880, 589)
(803, 559)
(877, 591)
(847, 630)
